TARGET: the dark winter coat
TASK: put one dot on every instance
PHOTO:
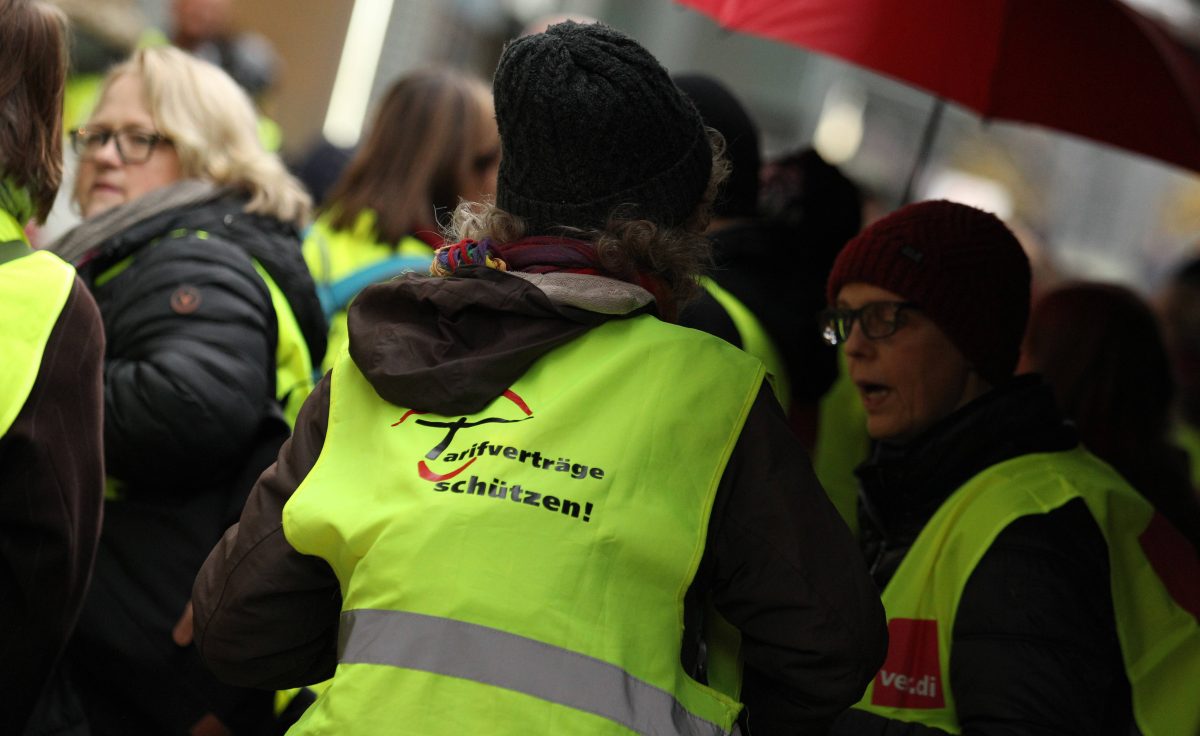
(779, 563)
(786, 297)
(51, 484)
(1034, 646)
(190, 420)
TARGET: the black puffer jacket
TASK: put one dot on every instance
(1035, 648)
(179, 372)
(190, 420)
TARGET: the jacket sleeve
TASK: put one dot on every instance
(190, 364)
(1034, 643)
(787, 573)
(266, 615)
(51, 490)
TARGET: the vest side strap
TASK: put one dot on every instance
(482, 654)
(337, 296)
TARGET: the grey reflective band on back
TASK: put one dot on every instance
(482, 654)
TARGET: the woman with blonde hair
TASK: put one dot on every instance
(433, 143)
(190, 246)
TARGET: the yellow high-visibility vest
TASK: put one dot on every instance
(522, 570)
(755, 340)
(1159, 635)
(343, 262)
(34, 288)
(842, 444)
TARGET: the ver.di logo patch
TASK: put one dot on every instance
(912, 676)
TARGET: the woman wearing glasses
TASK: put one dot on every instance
(433, 143)
(1023, 579)
(189, 244)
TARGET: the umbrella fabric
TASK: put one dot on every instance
(1095, 68)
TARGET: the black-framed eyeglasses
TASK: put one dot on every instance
(877, 320)
(133, 146)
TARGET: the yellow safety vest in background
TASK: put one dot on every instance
(755, 340)
(1160, 639)
(523, 569)
(11, 231)
(842, 444)
(343, 262)
(294, 375)
(33, 291)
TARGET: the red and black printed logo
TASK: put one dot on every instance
(446, 461)
(911, 677)
(452, 429)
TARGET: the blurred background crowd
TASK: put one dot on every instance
(369, 127)
(316, 68)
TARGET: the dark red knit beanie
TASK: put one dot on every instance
(961, 265)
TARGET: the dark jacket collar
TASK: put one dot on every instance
(80, 243)
(902, 485)
(189, 207)
(450, 345)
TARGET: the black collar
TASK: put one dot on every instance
(902, 485)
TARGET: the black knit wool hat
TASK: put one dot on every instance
(962, 266)
(590, 121)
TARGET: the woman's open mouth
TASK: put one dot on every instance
(872, 394)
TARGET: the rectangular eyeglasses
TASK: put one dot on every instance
(133, 146)
(876, 319)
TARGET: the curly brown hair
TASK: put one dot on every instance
(626, 246)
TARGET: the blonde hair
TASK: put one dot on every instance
(214, 129)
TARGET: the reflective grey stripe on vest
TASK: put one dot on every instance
(482, 654)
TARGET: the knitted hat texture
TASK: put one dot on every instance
(961, 265)
(590, 121)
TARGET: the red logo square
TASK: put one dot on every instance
(912, 675)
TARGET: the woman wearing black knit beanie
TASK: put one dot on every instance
(524, 502)
(1028, 587)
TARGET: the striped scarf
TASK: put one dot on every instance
(544, 254)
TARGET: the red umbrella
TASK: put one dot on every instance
(1095, 68)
